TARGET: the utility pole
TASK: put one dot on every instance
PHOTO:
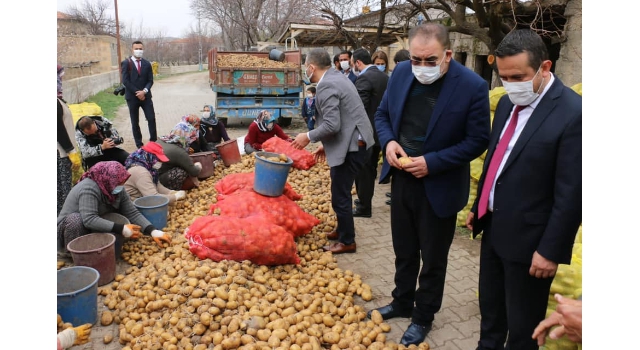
(115, 2)
(199, 44)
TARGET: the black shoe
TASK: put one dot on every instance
(356, 202)
(361, 213)
(387, 202)
(415, 334)
(388, 312)
(388, 194)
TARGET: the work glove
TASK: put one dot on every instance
(131, 231)
(198, 165)
(74, 336)
(180, 195)
(160, 236)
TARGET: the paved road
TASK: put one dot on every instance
(456, 326)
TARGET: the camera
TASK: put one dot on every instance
(117, 140)
(119, 90)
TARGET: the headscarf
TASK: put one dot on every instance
(60, 73)
(263, 119)
(183, 134)
(192, 119)
(108, 175)
(144, 159)
(211, 120)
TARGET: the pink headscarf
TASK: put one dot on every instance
(108, 175)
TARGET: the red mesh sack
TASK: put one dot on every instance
(253, 238)
(302, 159)
(280, 210)
(239, 181)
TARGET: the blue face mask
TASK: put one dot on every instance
(118, 189)
(381, 67)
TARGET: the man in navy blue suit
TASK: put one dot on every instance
(345, 64)
(435, 112)
(529, 202)
(137, 77)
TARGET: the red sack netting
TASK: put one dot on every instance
(302, 159)
(239, 181)
(253, 238)
(281, 210)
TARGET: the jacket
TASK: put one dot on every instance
(91, 145)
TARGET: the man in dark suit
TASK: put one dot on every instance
(137, 77)
(529, 203)
(346, 134)
(345, 64)
(435, 113)
(371, 85)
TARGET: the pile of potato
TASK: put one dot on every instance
(170, 299)
(241, 60)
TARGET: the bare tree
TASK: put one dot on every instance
(96, 15)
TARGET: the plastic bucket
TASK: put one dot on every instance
(78, 295)
(276, 55)
(270, 177)
(119, 219)
(229, 152)
(154, 208)
(206, 159)
(95, 250)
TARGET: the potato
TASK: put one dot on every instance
(106, 319)
(405, 160)
(107, 338)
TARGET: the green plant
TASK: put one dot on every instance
(108, 102)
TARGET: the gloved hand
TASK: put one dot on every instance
(180, 195)
(82, 333)
(198, 165)
(191, 150)
(74, 336)
(131, 231)
(160, 236)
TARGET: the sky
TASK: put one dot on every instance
(172, 16)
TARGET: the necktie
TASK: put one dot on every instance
(496, 159)
(138, 64)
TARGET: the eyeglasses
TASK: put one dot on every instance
(428, 63)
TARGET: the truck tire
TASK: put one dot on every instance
(223, 121)
(284, 122)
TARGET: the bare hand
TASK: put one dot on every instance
(392, 151)
(319, 154)
(571, 311)
(301, 141)
(140, 95)
(108, 143)
(469, 221)
(417, 168)
(541, 331)
(542, 267)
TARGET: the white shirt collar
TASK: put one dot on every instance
(321, 78)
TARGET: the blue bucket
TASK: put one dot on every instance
(270, 177)
(154, 208)
(78, 295)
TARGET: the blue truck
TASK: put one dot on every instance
(246, 82)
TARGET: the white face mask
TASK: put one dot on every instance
(427, 75)
(206, 114)
(307, 78)
(137, 53)
(381, 67)
(157, 165)
(521, 93)
(344, 65)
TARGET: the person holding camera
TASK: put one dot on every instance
(98, 141)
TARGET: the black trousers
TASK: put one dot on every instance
(117, 154)
(342, 177)
(418, 234)
(366, 178)
(134, 105)
(511, 301)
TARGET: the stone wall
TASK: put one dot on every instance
(171, 70)
(569, 65)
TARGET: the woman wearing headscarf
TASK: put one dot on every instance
(173, 173)
(212, 132)
(143, 165)
(262, 129)
(98, 192)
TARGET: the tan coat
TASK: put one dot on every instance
(140, 184)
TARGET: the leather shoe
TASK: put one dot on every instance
(415, 334)
(387, 202)
(339, 248)
(360, 213)
(389, 311)
(388, 194)
(333, 235)
(356, 201)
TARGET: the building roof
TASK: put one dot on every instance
(315, 35)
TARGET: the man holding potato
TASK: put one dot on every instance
(434, 119)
